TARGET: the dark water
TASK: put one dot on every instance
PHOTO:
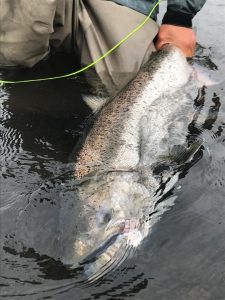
(183, 258)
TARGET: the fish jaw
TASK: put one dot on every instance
(123, 239)
(94, 244)
(123, 248)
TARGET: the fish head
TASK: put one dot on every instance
(114, 224)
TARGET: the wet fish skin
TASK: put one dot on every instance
(129, 135)
(116, 130)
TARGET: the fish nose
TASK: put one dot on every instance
(79, 247)
(82, 247)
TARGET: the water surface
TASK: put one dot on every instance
(183, 258)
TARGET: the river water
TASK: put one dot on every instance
(182, 259)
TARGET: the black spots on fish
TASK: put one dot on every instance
(84, 163)
(154, 63)
(109, 126)
(82, 170)
(220, 182)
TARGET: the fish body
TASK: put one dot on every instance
(117, 128)
(137, 131)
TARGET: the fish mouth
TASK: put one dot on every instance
(122, 239)
(113, 231)
(125, 226)
(93, 256)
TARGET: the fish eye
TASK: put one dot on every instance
(107, 217)
(104, 216)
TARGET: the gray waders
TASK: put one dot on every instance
(30, 29)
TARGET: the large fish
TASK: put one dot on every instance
(136, 142)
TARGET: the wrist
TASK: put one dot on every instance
(177, 18)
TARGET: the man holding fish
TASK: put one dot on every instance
(134, 151)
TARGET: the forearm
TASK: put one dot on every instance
(181, 12)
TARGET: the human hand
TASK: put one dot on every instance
(182, 37)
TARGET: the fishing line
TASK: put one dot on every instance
(2, 82)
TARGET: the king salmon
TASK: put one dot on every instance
(136, 142)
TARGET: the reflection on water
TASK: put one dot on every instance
(183, 258)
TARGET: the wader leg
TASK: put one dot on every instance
(25, 29)
(102, 24)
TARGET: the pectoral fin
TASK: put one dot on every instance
(205, 77)
(95, 102)
(181, 154)
(178, 155)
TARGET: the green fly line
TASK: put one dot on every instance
(2, 82)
